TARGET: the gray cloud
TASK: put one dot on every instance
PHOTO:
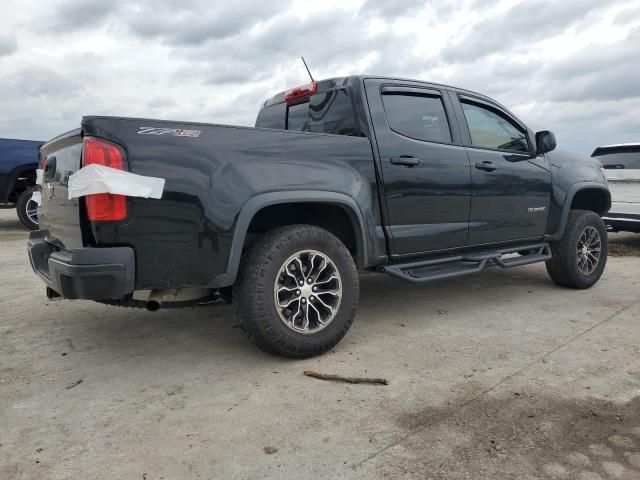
(595, 58)
(502, 81)
(216, 62)
(626, 16)
(161, 102)
(196, 22)
(393, 9)
(437, 9)
(8, 45)
(327, 41)
(67, 16)
(582, 126)
(35, 81)
(602, 72)
(521, 25)
(191, 22)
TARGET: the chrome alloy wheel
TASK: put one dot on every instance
(589, 248)
(31, 210)
(308, 291)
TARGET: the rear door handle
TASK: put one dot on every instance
(486, 166)
(405, 161)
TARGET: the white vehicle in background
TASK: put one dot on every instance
(622, 168)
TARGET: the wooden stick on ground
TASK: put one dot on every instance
(338, 378)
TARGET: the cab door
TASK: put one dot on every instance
(425, 171)
(511, 186)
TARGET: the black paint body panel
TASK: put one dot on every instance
(427, 204)
(185, 238)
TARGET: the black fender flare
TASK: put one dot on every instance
(575, 188)
(255, 204)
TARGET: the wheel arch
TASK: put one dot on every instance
(22, 171)
(585, 196)
(255, 205)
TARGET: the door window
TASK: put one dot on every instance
(417, 116)
(490, 130)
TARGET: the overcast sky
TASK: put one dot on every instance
(571, 66)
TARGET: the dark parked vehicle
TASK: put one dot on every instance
(622, 168)
(18, 164)
(418, 180)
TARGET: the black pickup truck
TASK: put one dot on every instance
(418, 180)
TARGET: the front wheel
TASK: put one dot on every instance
(27, 209)
(580, 256)
(297, 291)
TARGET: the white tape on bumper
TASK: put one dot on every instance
(39, 175)
(95, 178)
(37, 197)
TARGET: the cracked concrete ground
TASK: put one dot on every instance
(500, 375)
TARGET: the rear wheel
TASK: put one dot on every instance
(297, 291)
(580, 256)
(27, 209)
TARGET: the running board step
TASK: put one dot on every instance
(459, 265)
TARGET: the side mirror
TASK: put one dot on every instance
(545, 142)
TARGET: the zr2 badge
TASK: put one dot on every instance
(176, 132)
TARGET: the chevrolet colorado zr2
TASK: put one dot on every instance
(419, 180)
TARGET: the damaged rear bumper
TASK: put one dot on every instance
(83, 273)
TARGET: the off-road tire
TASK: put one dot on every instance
(21, 209)
(253, 292)
(563, 266)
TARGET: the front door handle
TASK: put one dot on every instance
(486, 166)
(405, 161)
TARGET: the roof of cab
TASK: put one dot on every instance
(338, 82)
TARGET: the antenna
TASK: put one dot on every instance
(308, 71)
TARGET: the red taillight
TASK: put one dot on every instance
(301, 91)
(42, 162)
(104, 207)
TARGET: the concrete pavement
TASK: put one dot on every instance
(500, 375)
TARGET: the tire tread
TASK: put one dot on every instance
(561, 267)
(256, 316)
(21, 205)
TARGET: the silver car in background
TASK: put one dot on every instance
(622, 168)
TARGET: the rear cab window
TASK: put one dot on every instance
(330, 112)
(272, 117)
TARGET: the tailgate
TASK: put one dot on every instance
(624, 185)
(59, 217)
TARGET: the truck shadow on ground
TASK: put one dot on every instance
(213, 329)
(501, 437)
(624, 244)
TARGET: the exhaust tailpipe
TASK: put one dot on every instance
(154, 302)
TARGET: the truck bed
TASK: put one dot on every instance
(211, 171)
